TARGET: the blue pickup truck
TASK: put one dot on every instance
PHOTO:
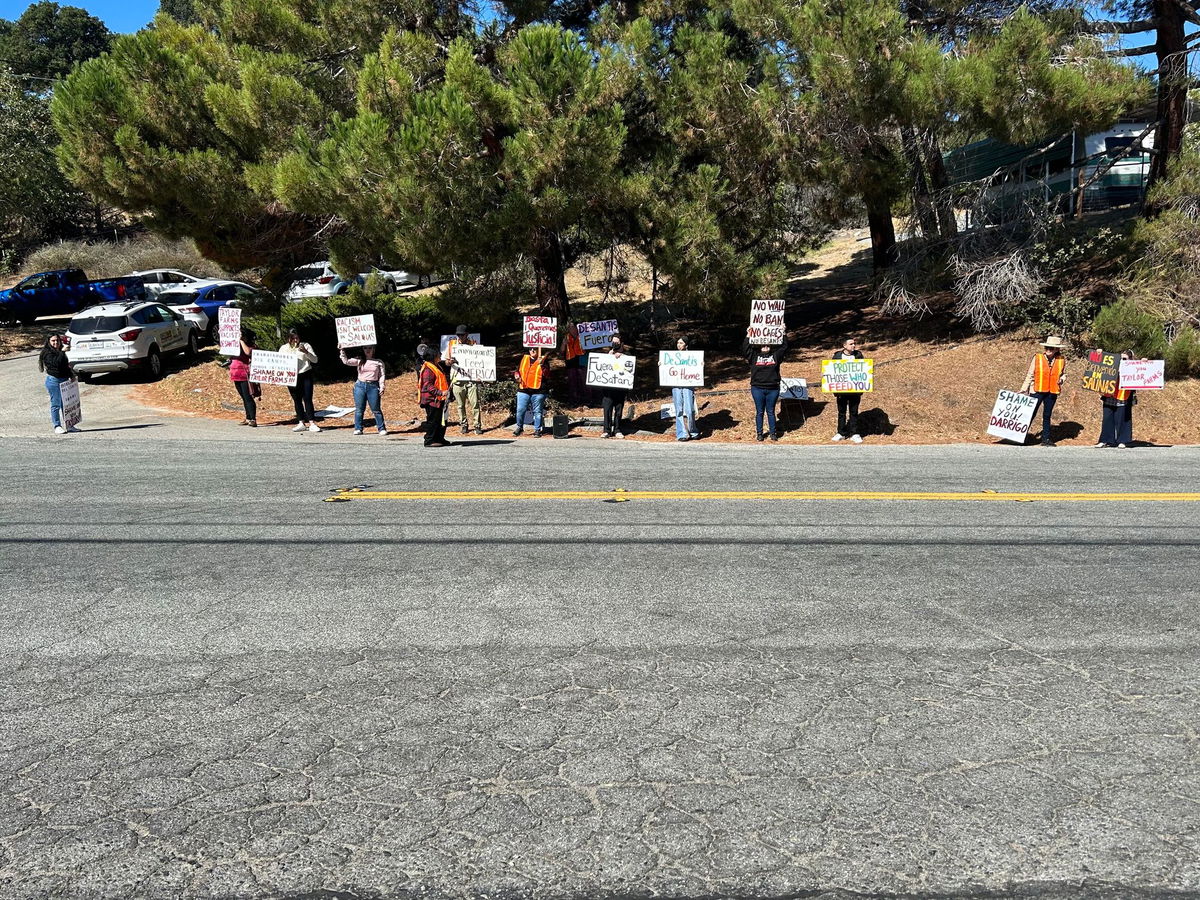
(63, 292)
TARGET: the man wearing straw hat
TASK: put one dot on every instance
(1044, 381)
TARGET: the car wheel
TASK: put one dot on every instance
(342, 290)
(212, 336)
(154, 365)
(389, 286)
(423, 281)
(193, 346)
(85, 377)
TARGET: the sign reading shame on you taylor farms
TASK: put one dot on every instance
(848, 376)
(269, 367)
(681, 368)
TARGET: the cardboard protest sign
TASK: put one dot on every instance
(540, 331)
(1142, 375)
(355, 331)
(766, 322)
(1102, 372)
(848, 376)
(609, 370)
(1011, 416)
(268, 367)
(597, 335)
(72, 412)
(666, 411)
(477, 363)
(229, 330)
(681, 368)
(447, 338)
(793, 389)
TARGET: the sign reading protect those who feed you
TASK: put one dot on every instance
(681, 368)
(766, 322)
(1102, 371)
(229, 330)
(848, 376)
(355, 331)
(1142, 374)
(72, 412)
(477, 363)
(1011, 416)
(269, 367)
(540, 331)
(608, 370)
(597, 335)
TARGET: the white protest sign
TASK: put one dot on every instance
(681, 368)
(72, 412)
(766, 322)
(609, 370)
(229, 330)
(355, 331)
(597, 335)
(477, 363)
(1011, 416)
(1142, 375)
(268, 367)
(848, 376)
(447, 338)
(666, 411)
(540, 331)
(793, 389)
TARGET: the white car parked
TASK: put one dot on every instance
(318, 280)
(115, 337)
(159, 280)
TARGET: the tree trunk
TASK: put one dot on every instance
(883, 232)
(550, 286)
(943, 200)
(1172, 89)
(922, 201)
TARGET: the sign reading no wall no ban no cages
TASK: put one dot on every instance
(766, 322)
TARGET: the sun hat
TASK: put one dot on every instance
(461, 329)
(1054, 341)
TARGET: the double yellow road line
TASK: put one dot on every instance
(619, 494)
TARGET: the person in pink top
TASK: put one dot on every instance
(239, 374)
(372, 378)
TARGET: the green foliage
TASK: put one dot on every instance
(1123, 326)
(103, 259)
(1183, 355)
(48, 40)
(182, 11)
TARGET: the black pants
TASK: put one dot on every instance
(1117, 425)
(848, 413)
(243, 389)
(435, 428)
(1046, 401)
(302, 397)
(613, 402)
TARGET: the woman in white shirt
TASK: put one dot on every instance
(302, 393)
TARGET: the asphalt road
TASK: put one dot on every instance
(219, 685)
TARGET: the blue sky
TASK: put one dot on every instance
(118, 15)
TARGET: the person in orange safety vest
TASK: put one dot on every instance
(433, 394)
(576, 359)
(531, 391)
(1044, 380)
(1116, 426)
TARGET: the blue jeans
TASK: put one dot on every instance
(54, 388)
(764, 401)
(523, 402)
(685, 408)
(367, 392)
(1046, 401)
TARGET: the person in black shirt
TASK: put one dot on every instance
(53, 361)
(764, 382)
(847, 403)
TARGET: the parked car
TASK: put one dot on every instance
(159, 280)
(318, 280)
(114, 337)
(61, 292)
(199, 301)
(403, 276)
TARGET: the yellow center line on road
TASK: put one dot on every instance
(1022, 496)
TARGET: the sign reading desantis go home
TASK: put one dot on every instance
(355, 331)
(269, 367)
(848, 376)
(229, 330)
(681, 368)
(766, 322)
(1011, 416)
(608, 370)
(540, 331)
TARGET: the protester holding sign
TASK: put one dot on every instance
(1116, 425)
(1044, 381)
(531, 390)
(302, 390)
(683, 398)
(53, 361)
(572, 351)
(764, 380)
(612, 399)
(433, 393)
(848, 401)
(239, 374)
(464, 387)
(372, 379)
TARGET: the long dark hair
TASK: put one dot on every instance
(47, 350)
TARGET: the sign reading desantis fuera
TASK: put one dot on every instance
(608, 370)
(477, 363)
(540, 331)
(1011, 416)
(229, 330)
(597, 335)
(355, 331)
(766, 322)
(848, 376)
(1142, 375)
(269, 367)
(1102, 372)
(72, 412)
(681, 368)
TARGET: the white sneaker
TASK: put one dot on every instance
(58, 429)
(856, 438)
(358, 431)
(313, 428)
(837, 437)
(383, 432)
(300, 427)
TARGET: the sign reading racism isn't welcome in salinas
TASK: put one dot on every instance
(540, 331)
(355, 331)
(766, 322)
(848, 376)
(681, 368)
(608, 370)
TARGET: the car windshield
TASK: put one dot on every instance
(97, 324)
(309, 273)
(178, 298)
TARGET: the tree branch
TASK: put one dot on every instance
(1111, 26)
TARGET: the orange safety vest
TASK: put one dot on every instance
(574, 348)
(442, 383)
(1122, 394)
(531, 373)
(1046, 376)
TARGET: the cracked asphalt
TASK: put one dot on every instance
(216, 685)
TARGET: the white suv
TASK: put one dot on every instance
(115, 337)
